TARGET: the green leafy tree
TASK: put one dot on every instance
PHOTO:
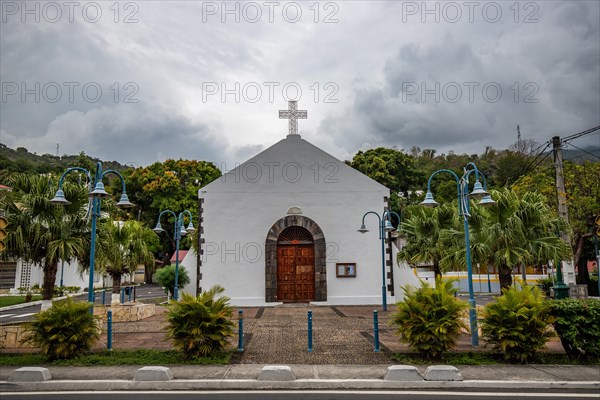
(166, 278)
(121, 247)
(21, 160)
(510, 167)
(430, 319)
(518, 323)
(41, 232)
(66, 330)
(172, 185)
(423, 228)
(583, 199)
(514, 231)
(541, 181)
(200, 326)
(392, 168)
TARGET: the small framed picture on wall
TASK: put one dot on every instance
(345, 270)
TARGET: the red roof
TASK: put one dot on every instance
(182, 254)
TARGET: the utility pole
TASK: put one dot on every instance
(563, 211)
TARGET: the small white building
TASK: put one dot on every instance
(282, 228)
(23, 274)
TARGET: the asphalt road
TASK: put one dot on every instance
(297, 395)
(25, 313)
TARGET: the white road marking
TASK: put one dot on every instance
(6, 315)
(370, 392)
(24, 315)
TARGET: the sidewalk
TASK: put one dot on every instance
(279, 335)
(343, 357)
(341, 377)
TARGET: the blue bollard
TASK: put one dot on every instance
(240, 331)
(93, 297)
(122, 295)
(376, 330)
(310, 332)
(103, 296)
(109, 330)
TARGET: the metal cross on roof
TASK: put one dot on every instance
(293, 115)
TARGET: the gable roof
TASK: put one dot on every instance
(182, 254)
(294, 164)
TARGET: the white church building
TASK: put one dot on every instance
(282, 228)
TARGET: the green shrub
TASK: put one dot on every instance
(58, 291)
(200, 326)
(166, 278)
(545, 284)
(430, 319)
(518, 323)
(65, 330)
(593, 289)
(72, 289)
(578, 326)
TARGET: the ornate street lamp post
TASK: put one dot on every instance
(178, 232)
(97, 193)
(479, 192)
(385, 225)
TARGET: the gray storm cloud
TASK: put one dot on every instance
(132, 84)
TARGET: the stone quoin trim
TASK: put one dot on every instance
(271, 256)
(200, 249)
(389, 262)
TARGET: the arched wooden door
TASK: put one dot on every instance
(295, 266)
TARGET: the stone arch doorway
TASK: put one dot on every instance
(295, 266)
(295, 269)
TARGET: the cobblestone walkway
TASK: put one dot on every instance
(280, 335)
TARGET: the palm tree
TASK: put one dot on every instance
(121, 247)
(424, 229)
(514, 231)
(41, 232)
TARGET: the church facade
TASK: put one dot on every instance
(282, 228)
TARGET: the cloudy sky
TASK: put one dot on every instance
(143, 81)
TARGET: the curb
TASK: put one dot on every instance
(24, 305)
(37, 302)
(299, 384)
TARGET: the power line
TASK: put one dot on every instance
(535, 163)
(537, 148)
(528, 167)
(576, 135)
(542, 160)
(585, 151)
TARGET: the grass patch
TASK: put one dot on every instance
(6, 301)
(486, 358)
(117, 357)
(21, 359)
(153, 300)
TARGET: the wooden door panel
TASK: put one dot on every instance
(305, 273)
(295, 273)
(285, 274)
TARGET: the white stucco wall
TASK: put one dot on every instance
(403, 275)
(241, 207)
(71, 276)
